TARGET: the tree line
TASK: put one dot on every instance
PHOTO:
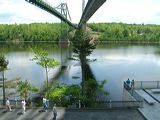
(127, 32)
(32, 32)
(54, 31)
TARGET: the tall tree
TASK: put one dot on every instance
(3, 67)
(41, 57)
(83, 46)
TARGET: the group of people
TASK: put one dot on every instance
(23, 103)
(54, 110)
(130, 83)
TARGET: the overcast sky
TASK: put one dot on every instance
(126, 11)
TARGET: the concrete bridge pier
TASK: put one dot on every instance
(83, 26)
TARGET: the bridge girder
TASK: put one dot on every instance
(91, 7)
(47, 7)
(89, 10)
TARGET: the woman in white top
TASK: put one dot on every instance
(24, 105)
(44, 104)
(8, 104)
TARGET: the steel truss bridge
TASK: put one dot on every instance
(91, 7)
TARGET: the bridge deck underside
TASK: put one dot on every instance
(90, 9)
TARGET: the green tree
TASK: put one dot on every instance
(41, 57)
(65, 95)
(83, 46)
(25, 88)
(3, 67)
(93, 89)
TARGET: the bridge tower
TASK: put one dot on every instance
(64, 12)
(63, 40)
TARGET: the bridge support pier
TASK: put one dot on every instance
(83, 27)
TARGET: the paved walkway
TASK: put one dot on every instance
(151, 112)
(63, 114)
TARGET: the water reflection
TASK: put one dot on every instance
(20, 64)
(115, 63)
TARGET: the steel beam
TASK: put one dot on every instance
(47, 7)
(91, 7)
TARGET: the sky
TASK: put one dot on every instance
(126, 11)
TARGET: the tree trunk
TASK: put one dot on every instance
(47, 82)
(83, 77)
(83, 68)
(4, 95)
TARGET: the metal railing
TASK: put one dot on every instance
(147, 85)
(134, 94)
(100, 103)
(97, 104)
(119, 104)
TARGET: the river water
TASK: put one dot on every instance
(112, 62)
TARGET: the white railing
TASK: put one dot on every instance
(147, 85)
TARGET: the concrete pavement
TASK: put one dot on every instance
(74, 114)
(150, 111)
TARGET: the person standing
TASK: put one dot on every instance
(54, 112)
(44, 104)
(128, 82)
(132, 85)
(8, 105)
(23, 106)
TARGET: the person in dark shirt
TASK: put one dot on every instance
(128, 82)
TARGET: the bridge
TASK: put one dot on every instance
(91, 7)
(49, 8)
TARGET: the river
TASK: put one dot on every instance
(112, 62)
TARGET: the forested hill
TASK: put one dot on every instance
(31, 32)
(126, 32)
(55, 31)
